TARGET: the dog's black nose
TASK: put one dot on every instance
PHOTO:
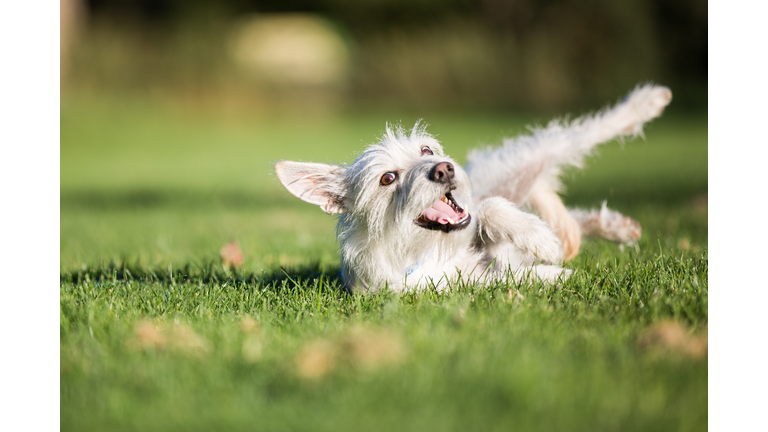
(441, 172)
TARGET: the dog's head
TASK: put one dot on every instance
(403, 185)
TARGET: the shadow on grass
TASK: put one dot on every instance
(142, 199)
(620, 193)
(207, 273)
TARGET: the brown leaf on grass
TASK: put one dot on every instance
(372, 349)
(699, 346)
(316, 359)
(359, 348)
(231, 255)
(158, 336)
(671, 337)
(147, 335)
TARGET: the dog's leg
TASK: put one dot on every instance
(607, 224)
(526, 169)
(499, 221)
(551, 208)
(571, 224)
(505, 261)
(530, 162)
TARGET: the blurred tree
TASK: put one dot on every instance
(550, 54)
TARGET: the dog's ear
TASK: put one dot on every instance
(315, 183)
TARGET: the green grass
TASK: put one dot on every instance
(148, 197)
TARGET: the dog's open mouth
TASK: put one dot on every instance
(444, 215)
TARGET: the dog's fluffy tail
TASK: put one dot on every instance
(531, 162)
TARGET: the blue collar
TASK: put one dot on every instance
(415, 266)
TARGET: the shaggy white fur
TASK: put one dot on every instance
(410, 216)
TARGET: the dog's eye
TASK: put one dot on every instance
(388, 178)
(426, 150)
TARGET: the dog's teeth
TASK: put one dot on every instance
(451, 221)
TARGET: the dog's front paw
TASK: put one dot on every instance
(539, 240)
(499, 220)
(547, 246)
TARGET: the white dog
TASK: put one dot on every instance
(410, 216)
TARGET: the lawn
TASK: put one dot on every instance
(157, 334)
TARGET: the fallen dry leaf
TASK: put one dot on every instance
(231, 255)
(159, 336)
(147, 335)
(359, 348)
(671, 337)
(316, 359)
(372, 349)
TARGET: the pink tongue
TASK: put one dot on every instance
(440, 212)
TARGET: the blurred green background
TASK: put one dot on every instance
(248, 56)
